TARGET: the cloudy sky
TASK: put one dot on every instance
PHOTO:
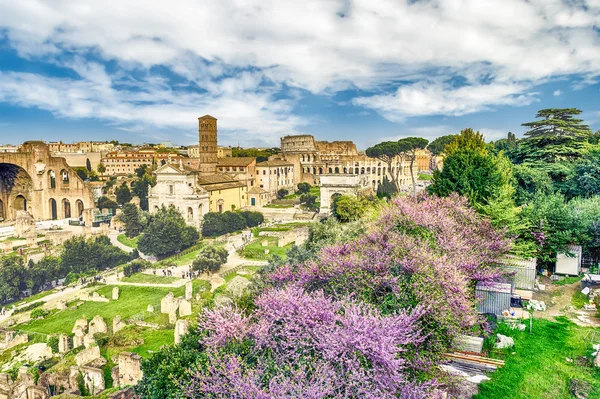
(365, 70)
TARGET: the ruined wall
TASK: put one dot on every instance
(45, 186)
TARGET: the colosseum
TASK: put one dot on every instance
(45, 186)
(313, 158)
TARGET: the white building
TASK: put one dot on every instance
(177, 185)
(274, 175)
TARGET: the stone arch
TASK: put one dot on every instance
(53, 209)
(314, 171)
(80, 207)
(369, 170)
(320, 171)
(66, 206)
(51, 179)
(337, 170)
(16, 187)
(345, 171)
(362, 171)
(190, 214)
(330, 170)
(356, 171)
(1, 210)
(303, 160)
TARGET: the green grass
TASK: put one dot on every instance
(181, 260)
(231, 275)
(278, 206)
(425, 176)
(539, 369)
(33, 298)
(578, 300)
(149, 278)
(568, 280)
(132, 300)
(255, 250)
(130, 242)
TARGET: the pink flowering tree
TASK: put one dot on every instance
(306, 345)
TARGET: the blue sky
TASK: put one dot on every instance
(143, 71)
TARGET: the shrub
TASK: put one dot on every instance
(216, 224)
(282, 192)
(39, 313)
(210, 259)
(167, 233)
(253, 219)
(303, 188)
(53, 343)
(136, 266)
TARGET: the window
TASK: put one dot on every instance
(171, 190)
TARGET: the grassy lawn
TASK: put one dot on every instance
(568, 280)
(255, 250)
(231, 275)
(149, 278)
(130, 242)
(181, 260)
(132, 300)
(425, 176)
(33, 298)
(539, 369)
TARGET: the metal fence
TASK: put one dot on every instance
(523, 272)
(493, 298)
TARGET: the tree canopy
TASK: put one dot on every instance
(167, 233)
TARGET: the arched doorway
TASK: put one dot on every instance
(190, 214)
(20, 203)
(53, 211)
(66, 208)
(79, 204)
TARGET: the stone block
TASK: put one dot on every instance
(38, 352)
(93, 378)
(172, 316)
(78, 338)
(87, 355)
(185, 308)
(118, 324)
(130, 369)
(150, 309)
(181, 328)
(115, 293)
(89, 340)
(166, 304)
(63, 343)
(61, 305)
(80, 324)
(188, 291)
(97, 325)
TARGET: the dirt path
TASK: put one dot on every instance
(558, 303)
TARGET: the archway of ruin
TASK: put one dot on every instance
(15, 190)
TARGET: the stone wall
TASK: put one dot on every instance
(297, 236)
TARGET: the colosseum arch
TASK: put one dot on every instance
(29, 180)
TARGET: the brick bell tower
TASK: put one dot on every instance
(207, 132)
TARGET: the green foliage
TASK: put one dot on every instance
(123, 194)
(130, 217)
(216, 224)
(210, 259)
(471, 171)
(410, 145)
(101, 168)
(349, 208)
(139, 188)
(556, 137)
(136, 266)
(88, 165)
(260, 155)
(81, 255)
(106, 203)
(281, 193)
(530, 182)
(436, 147)
(309, 201)
(53, 343)
(164, 371)
(167, 233)
(38, 313)
(140, 171)
(303, 188)
(584, 181)
(81, 386)
(253, 219)
(386, 189)
(11, 276)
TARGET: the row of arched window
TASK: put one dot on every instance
(65, 211)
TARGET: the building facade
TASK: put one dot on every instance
(225, 193)
(123, 163)
(178, 186)
(275, 175)
(242, 169)
(311, 159)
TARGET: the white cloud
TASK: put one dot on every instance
(501, 49)
(431, 98)
(557, 93)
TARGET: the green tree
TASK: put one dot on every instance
(166, 233)
(349, 208)
(530, 182)
(130, 217)
(281, 193)
(11, 276)
(106, 203)
(386, 152)
(556, 137)
(585, 178)
(410, 146)
(436, 147)
(471, 171)
(81, 255)
(140, 187)
(88, 165)
(309, 201)
(141, 171)
(253, 219)
(101, 168)
(210, 259)
(123, 194)
(386, 189)
(303, 188)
